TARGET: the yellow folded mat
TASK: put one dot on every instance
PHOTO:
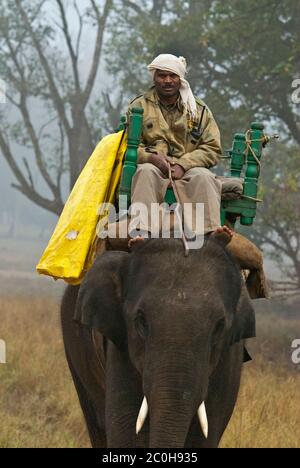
(71, 249)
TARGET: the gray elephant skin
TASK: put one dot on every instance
(155, 324)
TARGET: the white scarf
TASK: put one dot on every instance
(177, 65)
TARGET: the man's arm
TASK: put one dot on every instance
(208, 151)
(145, 155)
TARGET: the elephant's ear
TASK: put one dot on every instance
(99, 303)
(244, 324)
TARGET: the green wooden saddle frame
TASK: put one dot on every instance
(245, 162)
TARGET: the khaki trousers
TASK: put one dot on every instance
(198, 185)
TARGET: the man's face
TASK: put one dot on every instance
(166, 83)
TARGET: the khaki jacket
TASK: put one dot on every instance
(168, 130)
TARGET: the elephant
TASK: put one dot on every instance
(155, 342)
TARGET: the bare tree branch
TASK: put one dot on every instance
(268, 240)
(96, 10)
(57, 100)
(42, 128)
(28, 172)
(12, 163)
(113, 112)
(55, 206)
(12, 100)
(80, 27)
(98, 47)
(36, 145)
(74, 57)
(13, 55)
(61, 158)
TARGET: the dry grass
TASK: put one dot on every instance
(39, 408)
(38, 404)
(268, 412)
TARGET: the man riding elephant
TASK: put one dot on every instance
(157, 348)
(178, 130)
(181, 139)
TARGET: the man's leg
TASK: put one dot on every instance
(148, 186)
(200, 185)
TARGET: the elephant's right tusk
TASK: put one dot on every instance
(203, 419)
(142, 416)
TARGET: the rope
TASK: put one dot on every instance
(183, 238)
(249, 147)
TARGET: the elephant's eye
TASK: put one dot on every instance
(140, 323)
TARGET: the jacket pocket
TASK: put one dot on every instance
(151, 130)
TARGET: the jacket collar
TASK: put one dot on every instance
(151, 95)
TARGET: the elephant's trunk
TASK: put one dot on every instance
(202, 416)
(176, 394)
(169, 425)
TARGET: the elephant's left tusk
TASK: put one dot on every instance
(142, 415)
(203, 419)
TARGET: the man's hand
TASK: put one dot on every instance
(177, 172)
(159, 160)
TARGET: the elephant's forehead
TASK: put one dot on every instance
(181, 280)
(185, 296)
(165, 269)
